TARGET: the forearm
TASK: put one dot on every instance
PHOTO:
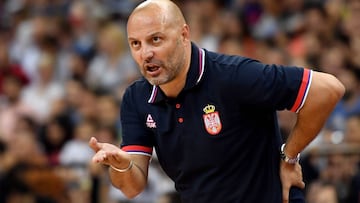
(131, 182)
(324, 93)
(127, 172)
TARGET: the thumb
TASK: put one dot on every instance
(285, 191)
(94, 144)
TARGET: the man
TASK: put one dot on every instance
(212, 118)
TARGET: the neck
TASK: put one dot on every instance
(173, 88)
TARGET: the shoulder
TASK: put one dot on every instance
(232, 68)
(245, 67)
(140, 84)
(230, 60)
(138, 91)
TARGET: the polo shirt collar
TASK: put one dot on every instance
(194, 75)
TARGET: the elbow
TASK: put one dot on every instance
(336, 88)
(131, 192)
(131, 195)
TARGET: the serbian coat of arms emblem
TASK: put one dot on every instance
(212, 120)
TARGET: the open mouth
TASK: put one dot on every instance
(152, 67)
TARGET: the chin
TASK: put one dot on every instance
(157, 81)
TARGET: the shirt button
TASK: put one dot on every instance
(181, 120)
(177, 106)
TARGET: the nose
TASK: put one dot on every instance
(147, 53)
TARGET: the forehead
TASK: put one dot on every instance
(145, 23)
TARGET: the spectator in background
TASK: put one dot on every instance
(12, 81)
(35, 36)
(205, 32)
(352, 129)
(75, 152)
(352, 136)
(41, 94)
(87, 109)
(349, 104)
(75, 157)
(53, 136)
(24, 177)
(74, 91)
(100, 180)
(81, 16)
(8, 67)
(78, 64)
(352, 29)
(321, 192)
(334, 59)
(112, 69)
(11, 107)
(108, 111)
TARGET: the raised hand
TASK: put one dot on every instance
(109, 154)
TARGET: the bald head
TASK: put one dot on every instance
(166, 11)
(160, 43)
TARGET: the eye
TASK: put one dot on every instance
(135, 44)
(156, 39)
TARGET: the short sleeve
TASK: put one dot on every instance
(303, 91)
(136, 139)
(271, 86)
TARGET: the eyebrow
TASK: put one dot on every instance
(149, 36)
(131, 39)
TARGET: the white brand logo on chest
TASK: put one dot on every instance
(150, 123)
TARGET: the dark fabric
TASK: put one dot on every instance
(239, 162)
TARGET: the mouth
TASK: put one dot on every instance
(152, 69)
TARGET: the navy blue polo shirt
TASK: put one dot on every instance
(219, 139)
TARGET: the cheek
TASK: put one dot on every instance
(136, 56)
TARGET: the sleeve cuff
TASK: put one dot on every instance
(137, 149)
(303, 91)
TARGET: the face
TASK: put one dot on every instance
(157, 46)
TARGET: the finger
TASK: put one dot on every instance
(115, 158)
(285, 191)
(94, 144)
(302, 185)
(100, 157)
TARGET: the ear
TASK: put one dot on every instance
(185, 33)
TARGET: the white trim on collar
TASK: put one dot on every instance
(201, 64)
(153, 94)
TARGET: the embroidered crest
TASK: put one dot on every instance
(212, 120)
(150, 123)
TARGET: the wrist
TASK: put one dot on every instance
(287, 159)
(123, 170)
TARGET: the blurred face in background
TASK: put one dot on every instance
(46, 68)
(12, 88)
(352, 133)
(111, 40)
(351, 84)
(55, 134)
(4, 56)
(108, 111)
(84, 131)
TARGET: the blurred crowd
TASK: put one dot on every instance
(64, 65)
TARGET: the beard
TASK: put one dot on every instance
(168, 73)
(170, 68)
